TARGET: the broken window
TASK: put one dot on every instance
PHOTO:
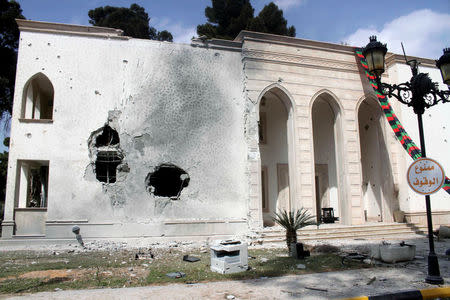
(108, 155)
(106, 166)
(38, 98)
(33, 187)
(167, 181)
(109, 137)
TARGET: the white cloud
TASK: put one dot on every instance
(285, 4)
(424, 33)
(181, 33)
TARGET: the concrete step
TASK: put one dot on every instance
(343, 236)
(341, 228)
(344, 231)
(371, 231)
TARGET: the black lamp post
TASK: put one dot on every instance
(420, 93)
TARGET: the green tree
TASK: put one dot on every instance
(134, 22)
(9, 33)
(271, 20)
(226, 18)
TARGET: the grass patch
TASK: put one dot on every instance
(22, 271)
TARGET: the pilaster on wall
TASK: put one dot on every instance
(354, 174)
(306, 69)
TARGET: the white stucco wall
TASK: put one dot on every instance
(436, 123)
(170, 103)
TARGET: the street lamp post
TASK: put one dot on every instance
(420, 93)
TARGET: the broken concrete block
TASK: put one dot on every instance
(397, 253)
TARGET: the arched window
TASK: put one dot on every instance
(38, 98)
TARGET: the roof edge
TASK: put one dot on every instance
(48, 27)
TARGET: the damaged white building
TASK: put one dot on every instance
(127, 137)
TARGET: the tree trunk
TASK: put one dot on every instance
(291, 238)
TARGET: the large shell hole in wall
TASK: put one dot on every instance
(167, 180)
(106, 166)
(108, 137)
(108, 155)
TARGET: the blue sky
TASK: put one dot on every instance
(423, 26)
(350, 21)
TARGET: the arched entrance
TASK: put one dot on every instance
(275, 134)
(377, 181)
(328, 159)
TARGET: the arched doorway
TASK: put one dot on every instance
(377, 181)
(328, 159)
(275, 131)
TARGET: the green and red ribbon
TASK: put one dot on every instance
(396, 126)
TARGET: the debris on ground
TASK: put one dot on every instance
(301, 266)
(371, 280)
(142, 255)
(176, 274)
(315, 289)
(326, 248)
(190, 258)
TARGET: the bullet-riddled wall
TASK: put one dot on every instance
(171, 104)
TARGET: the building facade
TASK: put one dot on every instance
(136, 138)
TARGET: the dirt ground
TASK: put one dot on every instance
(383, 278)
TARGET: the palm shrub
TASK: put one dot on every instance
(293, 221)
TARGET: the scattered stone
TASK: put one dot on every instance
(124, 262)
(130, 269)
(263, 259)
(301, 266)
(132, 275)
(230, 297)
(190, 258)
(367, 261)
(33, 262)
(145, 265)
(419, 257)
(57, 289)
(371, 280)
(176, 274)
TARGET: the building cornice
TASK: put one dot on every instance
(301, 60)
(292, 41)
(217, 44)
(392, 59)
(68, 29)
